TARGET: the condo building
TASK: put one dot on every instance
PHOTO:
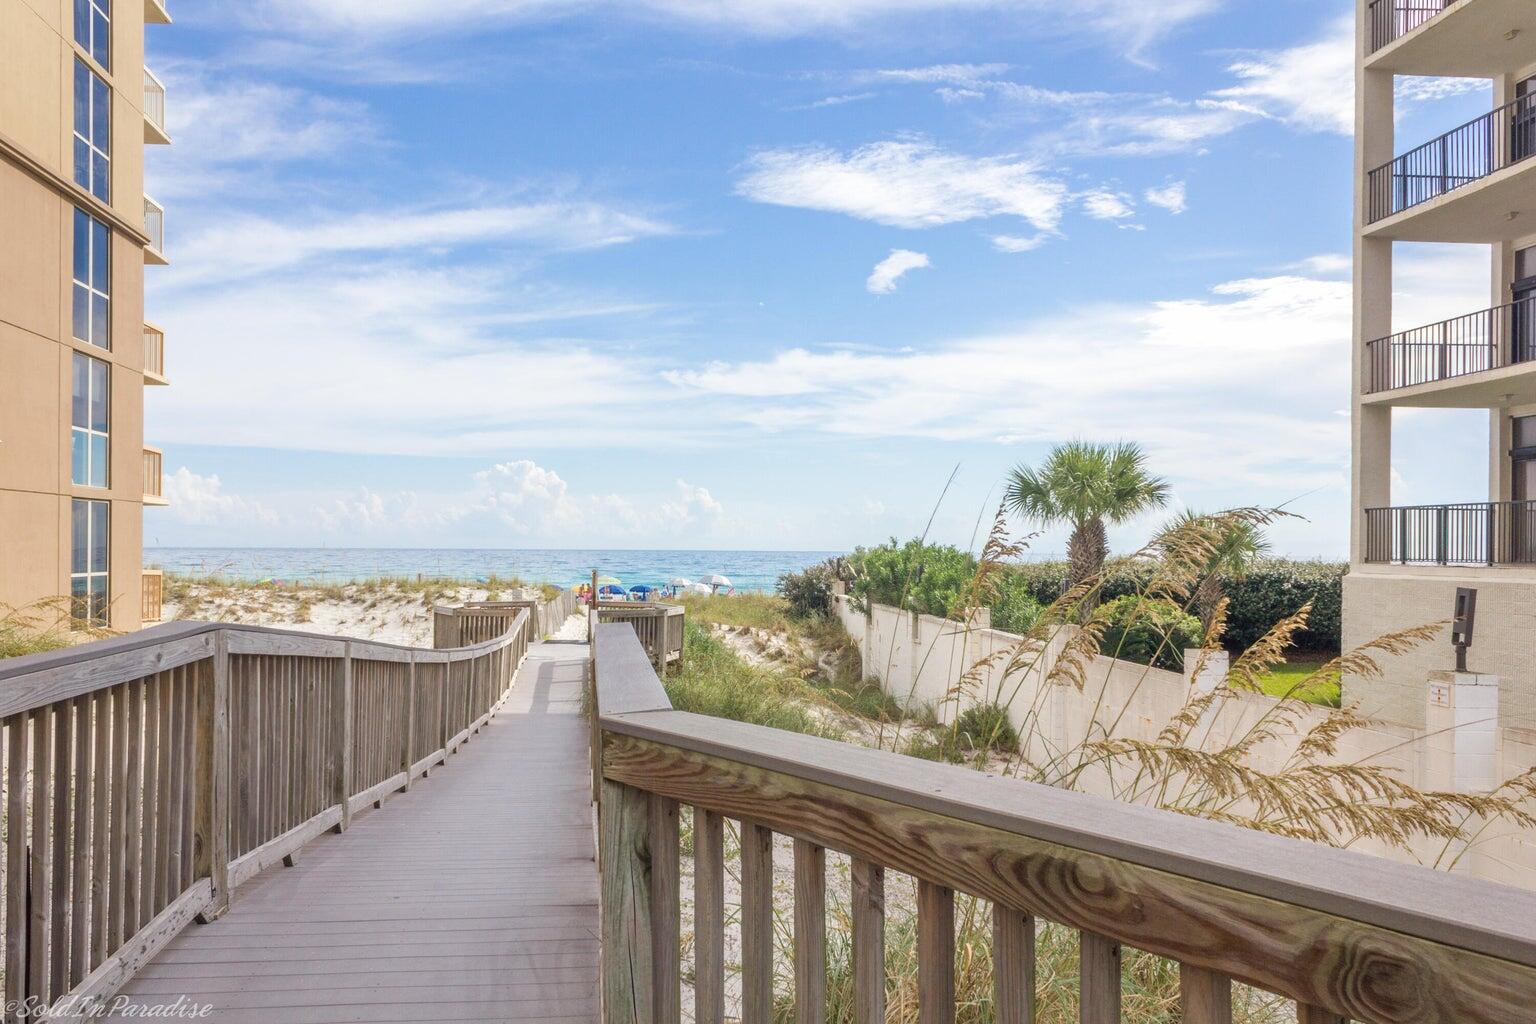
(77, 106)
(1473, 185)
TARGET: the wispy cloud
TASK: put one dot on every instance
(889, 271)
(1105, 204)
(905, 184)
(1018, 243)
(1171, 197)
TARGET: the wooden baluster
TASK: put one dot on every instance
(342, 743)
(171, 781)
(1205, 996)
(165, 822)
(708, 917)
(868, 908)
(213, 782)
(80, 853)
(101, 814)
(1013, 965)
(667, 986)
(41, 860)
(148, 866)
(1099, 980)
(412, 695)
(756, 924)
(628, 977)
(810, 932)
(121, 838)
(63, 831)
(935, 953)
(16, 924)
(133, 838)
(1317, 1015)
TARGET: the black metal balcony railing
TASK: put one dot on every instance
(1486, 340)
(1392, 19)
(1496, 140)
(1473, 533)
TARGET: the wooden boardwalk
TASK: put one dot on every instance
(471, 897)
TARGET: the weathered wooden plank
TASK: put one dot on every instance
(40, 862)
(1306, 1014)
(293, 645)
(1250, 938)
(935, 953)
(213, 805)
(246, 867)
(165, 770)
(708, 917)
(1099, 980)
(120, 838)
(64, 675)
(16, 924)
(867, 900)
(756, 923)
(810, 920)
(1205, 997)
(375, 794)
(173, 783)
(63, 836)
(101, 820)
(628, 974)
(344, 768)
(133, 855)
(149, 865)
(1013, 966)
(80, 852)
(666, 913)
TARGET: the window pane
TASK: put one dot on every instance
(79, 457)
(82, 246)
(1525, 431)
(100, 392)
(101, 253)
(80, 391)
(100, 319)
(98, 461)
(82, 164)
(83, 23)
(100, 179)
(79, 599)
(99, 535)
(82, 313)
(80, 534)
(99, 600)
(100, 46)
(101, 115)
(83, 78)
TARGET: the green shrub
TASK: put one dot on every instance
(1149, 632)
(1015, 608)
(809, 592)
(986, 727)
(932, 579)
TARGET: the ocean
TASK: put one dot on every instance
(748, 571)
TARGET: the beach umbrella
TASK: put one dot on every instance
(610, 590)
(697, 588)
(679, 582)
(714, 582)
(601, 580)
(643, 590)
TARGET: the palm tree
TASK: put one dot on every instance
(1236, 545)
(1088, 487)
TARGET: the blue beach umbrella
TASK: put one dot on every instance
(644, 590)
(610, 590)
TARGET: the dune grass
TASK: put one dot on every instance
(39, 627)
(714, 680)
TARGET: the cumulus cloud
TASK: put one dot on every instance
(1170, 197)
(199, 500)
(883, 280)
(1018, 243)
(905, 184)
(1103, 204)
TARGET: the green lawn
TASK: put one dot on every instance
(1294, 673)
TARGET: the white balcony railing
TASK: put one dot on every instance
(154, 355)
(154, 227)
(156, 13)
(154, 110)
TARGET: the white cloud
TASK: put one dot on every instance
(202, 501)
(882, 281)
(1324, 263)
(1018, 243)
(905, 184)
(1103, 204)
(1170, 197)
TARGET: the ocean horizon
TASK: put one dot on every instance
(748, 571)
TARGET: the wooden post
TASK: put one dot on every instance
(1206, 996)
(341, 731)
(810, 941)
(1013, 966)
(1099, 980)
(709, 917)
(665, 912)
(410, 723)
(936, 954)
(625, 826)
(592, 611)
(868, 908)
(212, 844)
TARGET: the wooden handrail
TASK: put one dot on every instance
(148, 776)
(1346, 935)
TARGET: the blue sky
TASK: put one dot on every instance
(762, 273)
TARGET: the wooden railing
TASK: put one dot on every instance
(154, 108)
(154, 227)
(659, 626)
(1345, 935)
(152, 596)
(474, 621)
(149, 776)
(154, 354)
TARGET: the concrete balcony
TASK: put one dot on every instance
(1478, 361)
(155, 133)
(154, 227)
(1457, 38)
(155, 13)
(1475, 183)
(154, 355)
(154, 477)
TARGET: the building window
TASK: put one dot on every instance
(89, 422)
(93, 132)
(93, 29)
(88, 577)
(93, 285)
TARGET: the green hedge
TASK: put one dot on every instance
(1269, 593)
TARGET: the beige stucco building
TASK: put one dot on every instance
(77, 106)
(1474, 185)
